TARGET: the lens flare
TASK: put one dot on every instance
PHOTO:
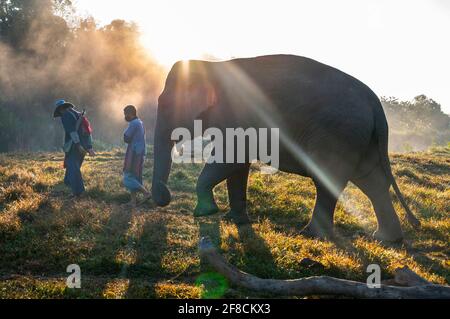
(214, 285)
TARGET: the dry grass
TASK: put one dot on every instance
(152, 252)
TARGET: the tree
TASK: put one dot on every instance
(416, 124)
(18, 16)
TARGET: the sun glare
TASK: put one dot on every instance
(168, 54)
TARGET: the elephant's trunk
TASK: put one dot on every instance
(162, 164)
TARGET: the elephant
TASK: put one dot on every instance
(332, 129)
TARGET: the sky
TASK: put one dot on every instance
(398, 48)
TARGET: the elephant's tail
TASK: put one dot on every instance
(381, 128)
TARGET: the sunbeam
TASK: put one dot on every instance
(239, 87)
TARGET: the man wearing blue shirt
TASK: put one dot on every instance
(134, 136)
(77, 143)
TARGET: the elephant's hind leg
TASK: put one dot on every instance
(237, 194)
(376, 186)
(321, 224)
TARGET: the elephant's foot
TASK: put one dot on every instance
(313, 231)
(390, 237)
(239, 218)
(205, 209)
(160, 194)
(389, 231)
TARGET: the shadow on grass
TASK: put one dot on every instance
(111, 197)
(148, 266)
(428, 263)
(103, 257)
(257, 257)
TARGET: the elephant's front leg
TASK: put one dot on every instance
(237, 194)
(212, 174)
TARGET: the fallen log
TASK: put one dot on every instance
(322, 285)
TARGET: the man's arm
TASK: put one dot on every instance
(89, 147)
(129, 132)
(70, 126)
(69, 123)
(87, 142)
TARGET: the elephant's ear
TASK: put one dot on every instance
(195, 91)
(203, 99)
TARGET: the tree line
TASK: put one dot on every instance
(416, 125)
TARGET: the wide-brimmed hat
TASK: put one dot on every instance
(60, 105)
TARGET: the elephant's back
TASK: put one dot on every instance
(300, 90)
(320, 107)
(296, 76)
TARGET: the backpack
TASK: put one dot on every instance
(85, 124)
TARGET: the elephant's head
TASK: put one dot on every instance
(189, 92)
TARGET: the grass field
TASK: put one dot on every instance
(152, 252)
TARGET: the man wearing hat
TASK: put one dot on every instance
(77, 143)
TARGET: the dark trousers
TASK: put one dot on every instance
(73, 178)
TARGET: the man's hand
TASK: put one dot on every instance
(81, 149)
(91, 152)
